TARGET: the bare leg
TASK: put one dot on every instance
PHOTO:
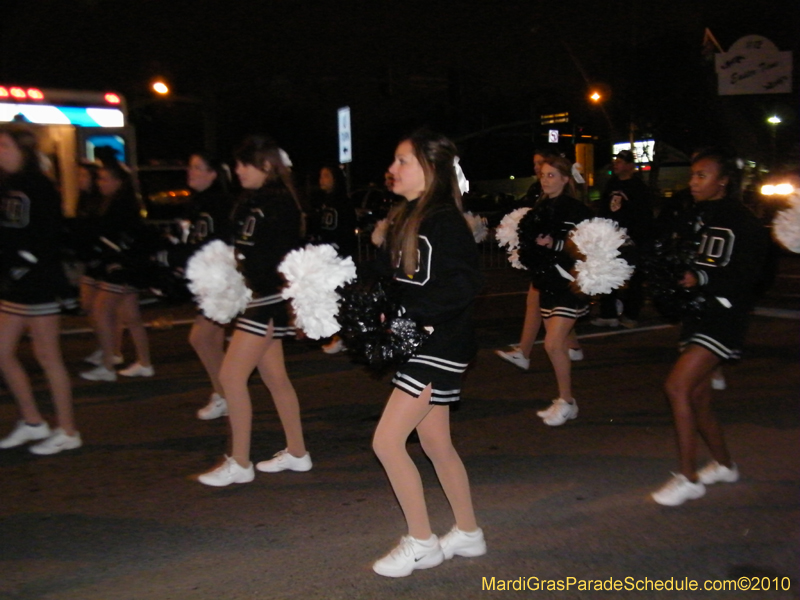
(104, 313)
(532, 322)
(208, 340)
(45, 332)
(11, 329)
(434, 435)
(130, 315)
(556, 346)
(244, 353)
(688, 383)
(572, 340)
(708, 426)
(87, 295)
(400, 417)
(88, 298)
(272, 369)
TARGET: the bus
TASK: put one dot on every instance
(72, 126)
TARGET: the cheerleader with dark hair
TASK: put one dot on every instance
(268, 224)
(727, 267)
(435, 262)
(33, 290)
(337, 224)
(208, 219)
(83, 232)
(543, 235)
(120, 232)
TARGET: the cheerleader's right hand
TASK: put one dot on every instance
(689, 280)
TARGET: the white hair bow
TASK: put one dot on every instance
(576, 173)
(287, 162)
(463, 183)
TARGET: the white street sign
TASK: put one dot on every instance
(345, 139)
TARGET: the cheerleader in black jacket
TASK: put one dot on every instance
(435, 261)
(267, 222)
(33, 289)
(727, 267)
(121, 234)
(559, 212)
(208, 218)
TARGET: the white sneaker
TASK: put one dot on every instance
(227, 473)
(283, 461)
(96, 358)
(335, 346)
(24, 433)
(409, 555)
(217, 407)
(57, 442)
(714, 472)
(137, 370)
(601, 322)
(463, 543)
(560, 412)
(575, 354)
(718, 382)
(100, 374)
(678, 490)
(516, 358)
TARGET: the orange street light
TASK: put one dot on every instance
(159, 87)
(595, 97)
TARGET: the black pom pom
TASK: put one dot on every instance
(372, 329)
(665, 265)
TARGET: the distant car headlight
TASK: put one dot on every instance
(782, 189)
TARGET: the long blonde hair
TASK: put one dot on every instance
(435, 154)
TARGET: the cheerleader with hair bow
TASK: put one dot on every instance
(268, 223)
(543, 233)
(434, 262)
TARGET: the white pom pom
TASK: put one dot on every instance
(506, 232)
(786, 225)
(378, 236)
(313, 274)
(599, 241)
(218, 286)
(507, 236)
(478, 226)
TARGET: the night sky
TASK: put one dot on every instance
(284, 66)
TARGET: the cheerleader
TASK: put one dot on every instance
(33, 289)
(337, 224)
(726, 270)
(208, 219)
(436, 266)
(267, 222)
(520, 355)
(116, 301)
(559, 212)
(87, 215)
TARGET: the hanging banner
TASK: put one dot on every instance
(754, 65)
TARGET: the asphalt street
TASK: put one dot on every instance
(123, 519)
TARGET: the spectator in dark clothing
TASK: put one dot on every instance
(626, 200)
